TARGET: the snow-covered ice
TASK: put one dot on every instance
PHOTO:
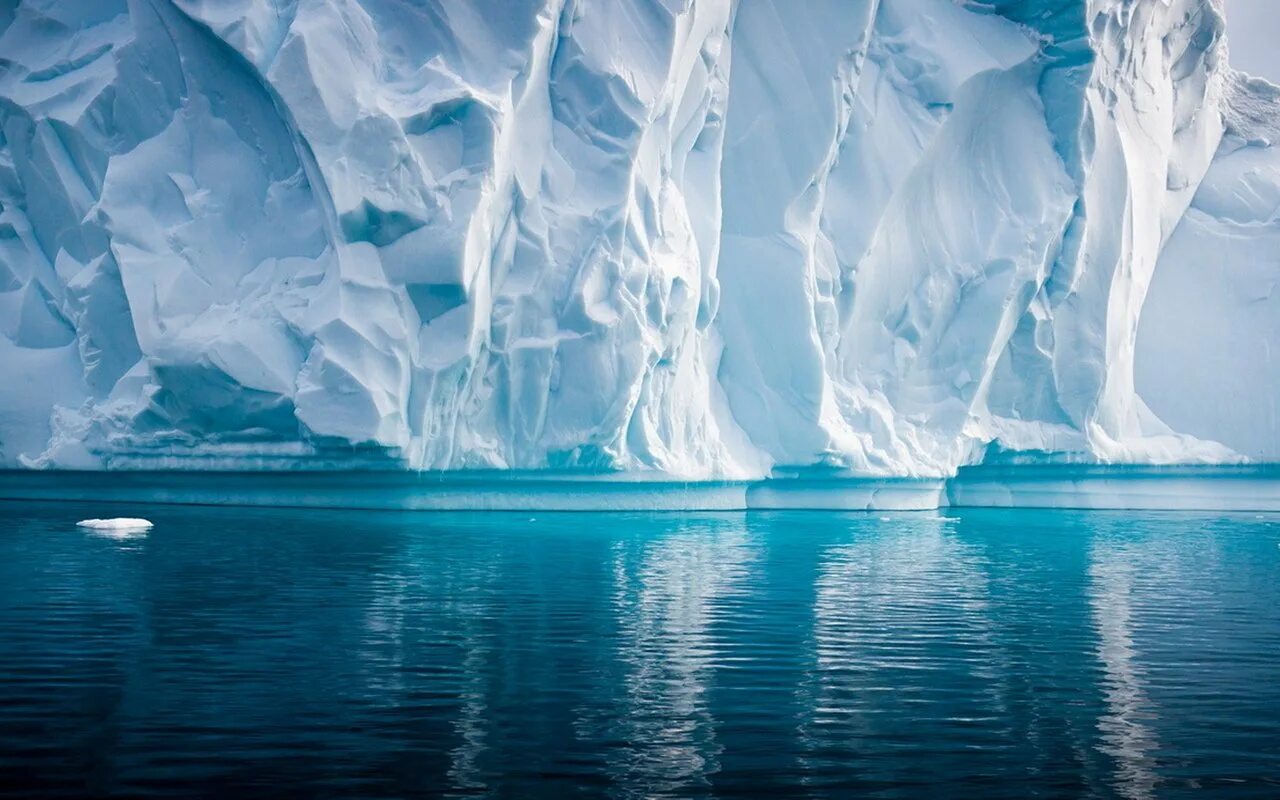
(702, 239)
(116, 524)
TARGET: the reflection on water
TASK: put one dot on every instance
(667, 600)
(901, 621)
(124, 536)
(1125, 733)
(993, 654)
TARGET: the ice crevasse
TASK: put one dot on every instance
(697, 238)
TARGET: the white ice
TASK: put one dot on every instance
(703, 239)
(115, 524)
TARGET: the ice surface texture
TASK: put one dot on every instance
(700, 239)
(115, 524)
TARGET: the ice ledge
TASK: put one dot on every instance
(1235, 488)
(1198, 488)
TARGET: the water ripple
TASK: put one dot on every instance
(981, 653)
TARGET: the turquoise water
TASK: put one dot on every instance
(255, 652)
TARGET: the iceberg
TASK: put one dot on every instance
(115, 524)
(696, 240)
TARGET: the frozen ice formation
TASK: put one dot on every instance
(694, 238)
(115, 524)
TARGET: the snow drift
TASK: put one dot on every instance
(696, 238)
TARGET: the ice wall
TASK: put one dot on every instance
(1209, 337)
(696, 238)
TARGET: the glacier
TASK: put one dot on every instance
(702, 240)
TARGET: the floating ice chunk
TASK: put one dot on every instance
(116, 524)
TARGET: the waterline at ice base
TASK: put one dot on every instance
(854, 254)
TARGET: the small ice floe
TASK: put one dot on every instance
(115, 524)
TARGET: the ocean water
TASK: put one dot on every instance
(314, 653)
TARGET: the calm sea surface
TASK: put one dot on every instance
(978, 654)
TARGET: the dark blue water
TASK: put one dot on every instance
(242, 652)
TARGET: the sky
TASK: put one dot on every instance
(1253, 34)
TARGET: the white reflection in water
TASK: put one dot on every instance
(477, 581)
(1125, 735)
(397, 622)
(382, 640)
(667, 606)
(121, 535)
(471, 726)
(889, 606)
(124, 540)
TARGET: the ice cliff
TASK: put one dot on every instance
(702, 238)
